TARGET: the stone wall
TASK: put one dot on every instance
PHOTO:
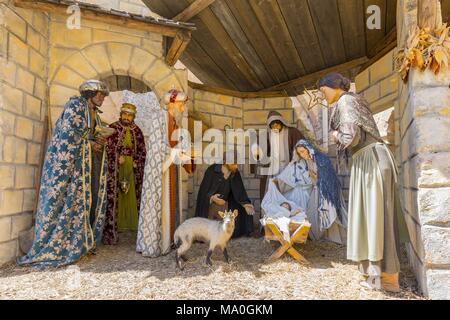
(424, 128)
(23, 109)
(379, 83)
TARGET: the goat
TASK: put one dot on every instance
(218, 233)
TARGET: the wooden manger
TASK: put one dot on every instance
(298, 234)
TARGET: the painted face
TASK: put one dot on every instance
(232, 167)
(286, 205)
(98, 99)
(126, 118)
(276, 126)
(331, 95)
(303, 153)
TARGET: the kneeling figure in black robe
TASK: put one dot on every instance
(222, 189)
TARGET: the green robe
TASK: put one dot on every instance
(128, 216)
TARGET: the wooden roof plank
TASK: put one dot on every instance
(353, 26)
(303, 33)
(216, 29)
(272, 21)
(193, 9)
(327, 23)
(226, 17)
(256, 37)
(200, 62)
(179, 45)
(373, 36)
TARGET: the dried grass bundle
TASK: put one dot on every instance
(425, 48)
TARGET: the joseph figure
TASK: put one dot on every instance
(72, 198)
(126, 160)
(280, 145)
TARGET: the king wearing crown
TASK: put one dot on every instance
(126, 160)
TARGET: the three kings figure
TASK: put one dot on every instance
(126, 161)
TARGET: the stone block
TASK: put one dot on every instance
(33, 107)
(7, 176)
(382, 68)
(140, 61)
(8, 71)
(166, 84)
(11, 202)
(97, 56)
(58, 56)
(233, 112)
(15, 24)
(59, 95)
(41, 22)
(433, 170)
(108, 36)
(37, 63)
(436, 242)
(14, 150)
(220, 122)
(158, 71)
(203, 106)
(21, 223)
(434, 206)
(33, 38)
(275, 103)
(119, 56)
(237, 123)
(438, 282)
(429, 134)
(428, 79)
(8, 251)
(24, 128)
(7, 121)
(38, 132)
(69, 38)
(29, 200)
(389, 85)
(34, 153)
(415, 236)
(372, 93)
(12, 99)
(225, 100)
(155, 47)
(5, 229)
(79, 63)
(68, 78)
(18, 50)
(433, 101)
(219, 109)
(25, 80)
(362, 81)
(252, 104)
(24, 177)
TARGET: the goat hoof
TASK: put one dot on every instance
(184, 258)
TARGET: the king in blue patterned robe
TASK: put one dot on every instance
(72, 198)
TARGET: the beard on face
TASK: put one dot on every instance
(178, 116)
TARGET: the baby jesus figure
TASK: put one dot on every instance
(294, 212)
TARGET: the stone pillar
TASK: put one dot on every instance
(423, 151)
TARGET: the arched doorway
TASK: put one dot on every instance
(117, 84)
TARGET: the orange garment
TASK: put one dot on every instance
(190, 167)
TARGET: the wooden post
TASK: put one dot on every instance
(429, 14)
(178, 46)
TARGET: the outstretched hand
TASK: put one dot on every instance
(249, 209)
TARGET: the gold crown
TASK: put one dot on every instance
(128, 107)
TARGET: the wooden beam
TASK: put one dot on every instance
(317, 75)
(429, 14)
(239, 94)
(194, 8)
(179, 45)
(383, 43)
(102, 16)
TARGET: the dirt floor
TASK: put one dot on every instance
(120, 273)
